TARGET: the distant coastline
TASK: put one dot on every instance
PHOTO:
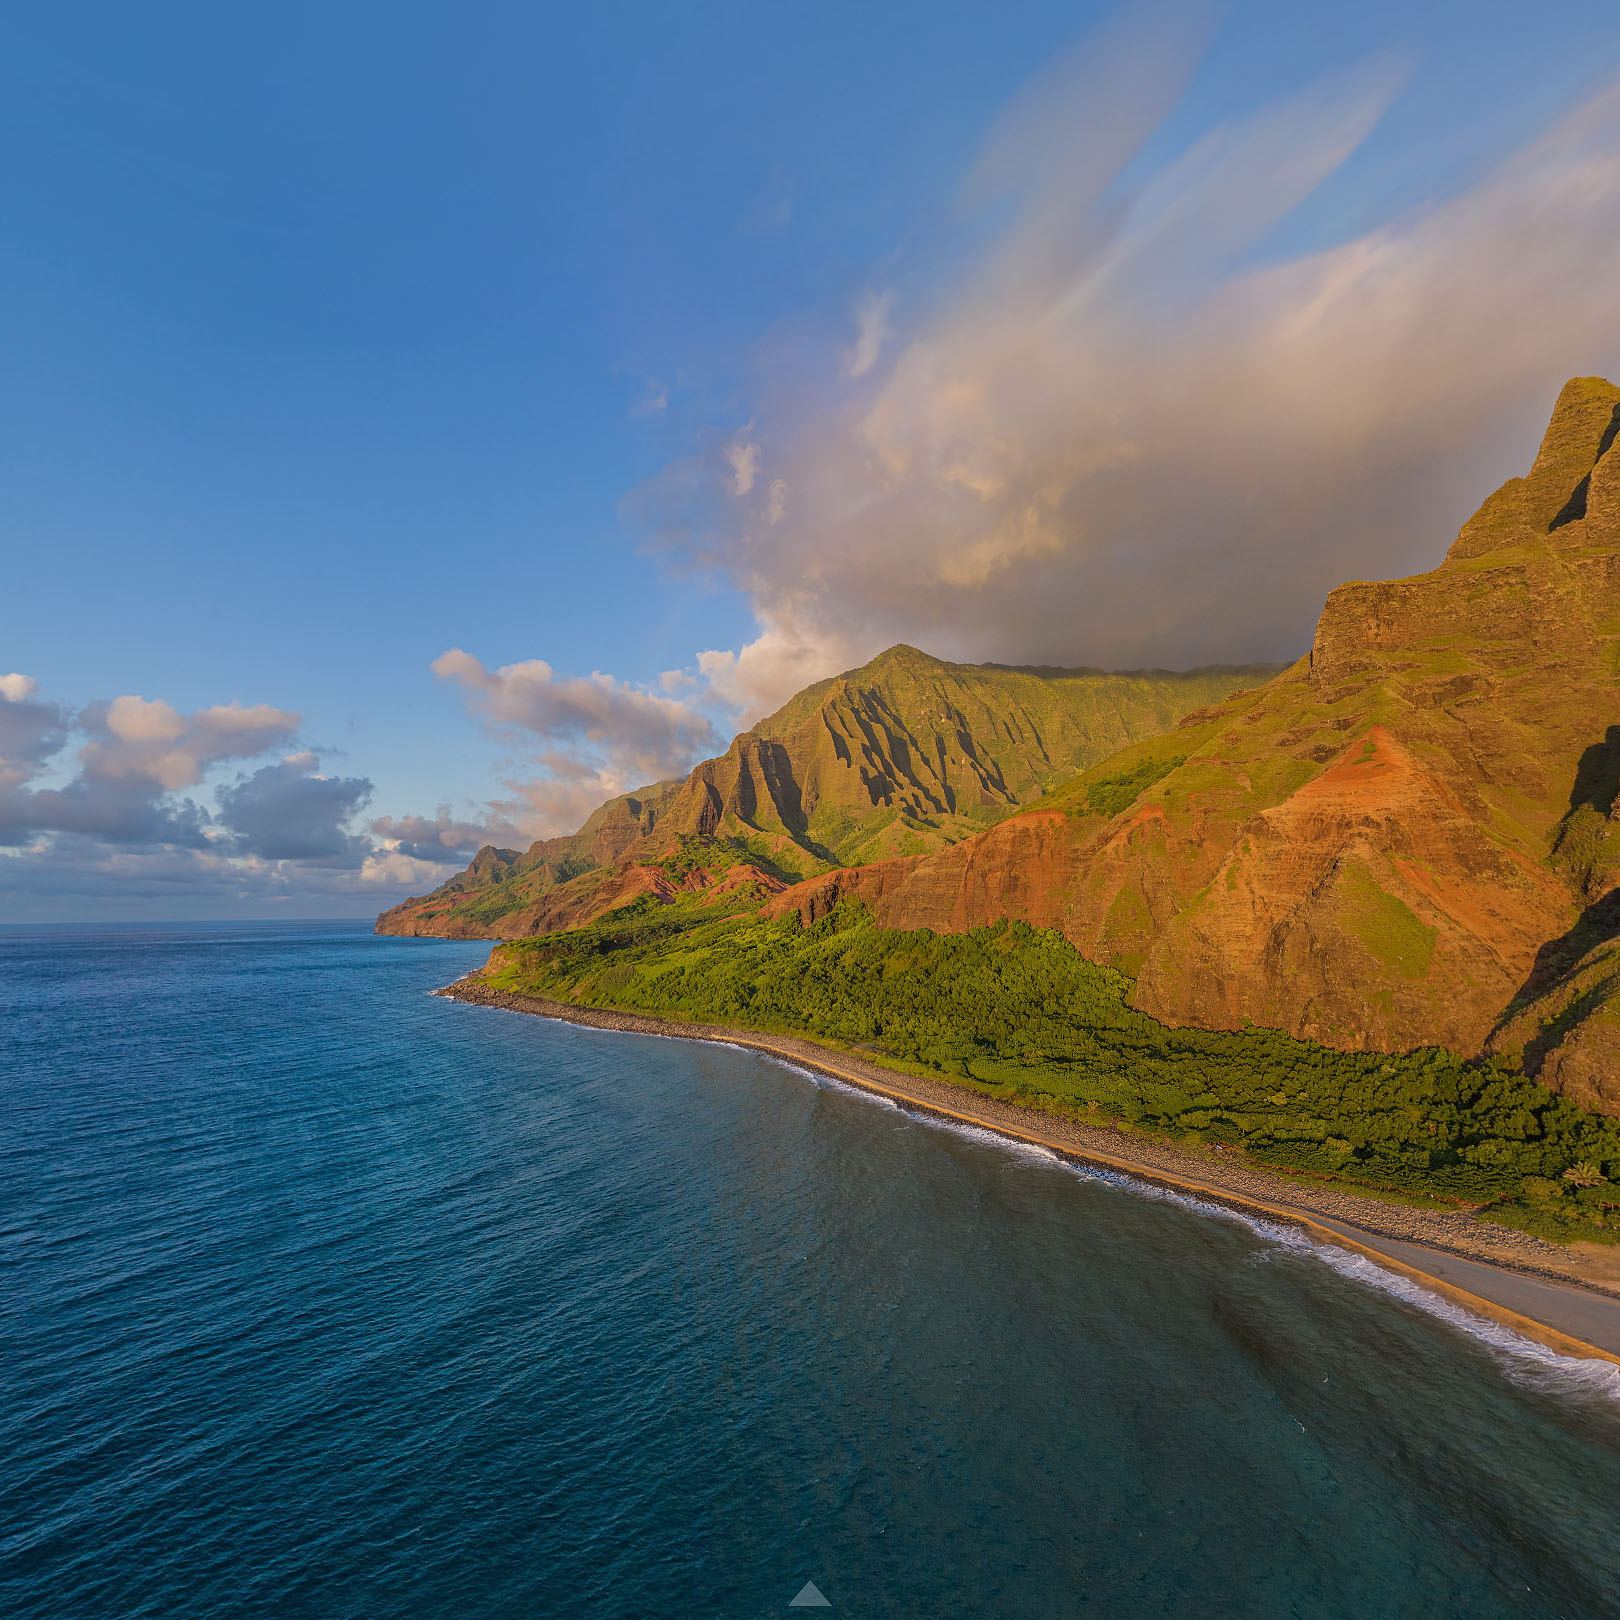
(1565, 1300)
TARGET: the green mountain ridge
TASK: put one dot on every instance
(903, 756)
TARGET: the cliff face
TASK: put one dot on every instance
(1404, 839)
(906, 755)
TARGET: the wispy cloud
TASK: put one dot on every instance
(871, 331)
(653, 400)
(772, 210)
(743, 459)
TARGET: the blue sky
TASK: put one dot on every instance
(341, 336)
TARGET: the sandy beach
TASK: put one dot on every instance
(1564, 1297)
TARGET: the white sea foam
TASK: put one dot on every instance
(1523, 1360)
(828, 1082)
(980, 1133)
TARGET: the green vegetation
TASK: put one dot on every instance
(1017, 1013)
(1108, 795)
(1385, 924)
(693, 852)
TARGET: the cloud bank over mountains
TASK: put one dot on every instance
(1132, 427)
(112, 798)
(1110, 417)
(1120, 404)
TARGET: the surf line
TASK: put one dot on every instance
(471, 990)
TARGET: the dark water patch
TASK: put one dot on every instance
(324, 1297)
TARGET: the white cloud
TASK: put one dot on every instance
(395, 871)
(778, 662)
(871, 330)
(547, 806)
(644, 730)
(16, 688)
(119, 839)
(743, 458)
(153, 740)
(137, 755)
(605, 736)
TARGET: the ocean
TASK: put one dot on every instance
(324, 1297)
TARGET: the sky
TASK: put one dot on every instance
(419, 422)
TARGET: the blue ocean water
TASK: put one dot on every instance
(325, 1297)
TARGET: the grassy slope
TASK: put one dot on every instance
(910, 752)
(1017, 1013)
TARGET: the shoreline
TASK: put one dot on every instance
(1557, 1297)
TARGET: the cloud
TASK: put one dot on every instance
(871, 329)
(112, 812)
(547, 806)
(653, 400)
(77, 877)
(30, 733)
(444, 838)
(783, 659)
(104, 799)
(396, 871)
(1132, 427)
(744, 462)
(137, 755)
(107, 831)
(151, 741)
(605, 736)
(772, 210)
(289, 812)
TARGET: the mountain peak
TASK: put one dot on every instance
(900, 656)
(906, 754)
(1581, 429)
(1555, 492)
(1408, 840)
